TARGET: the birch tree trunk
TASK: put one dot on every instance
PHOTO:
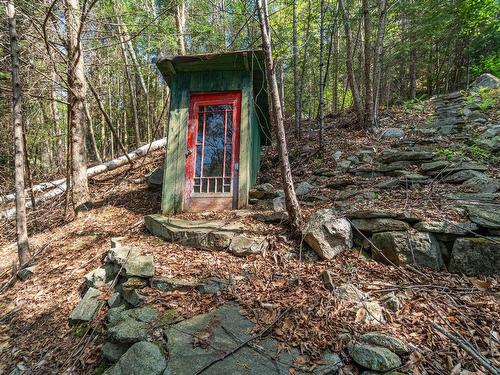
(295, 63)
(291, 202)
(76, 94)
(321, 72)
(358, 107)
(180, 23)
(17, 119)
(368, 110)
(377, 61)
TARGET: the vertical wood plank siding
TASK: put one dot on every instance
(183, 85)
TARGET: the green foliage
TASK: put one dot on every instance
(415, 103)
(479, 153)
(448, 153)
(487, 64)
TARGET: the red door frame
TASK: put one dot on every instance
(203, 99)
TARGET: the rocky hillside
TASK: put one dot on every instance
(400, 256)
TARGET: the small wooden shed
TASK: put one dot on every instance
(218, 121)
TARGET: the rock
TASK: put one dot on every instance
(476, 256)
(487, 216)
(380, 339)
(477, 116)
(373, 357)
(391, 302)
(379, 225)
(120, 255)
(101, 276)
(303, 188)
(262, 191)
(86, 308)
(273, 217)
(168, 284)
(482, 185)
(447, 227)
(326, 276)
(128, 331)
(328, 235)
(492, 144)
(388, 184)
(336, 155)
(491, 132)
(144, 314)
(112, 351)
(370, 313)
(155, 178)
(348, 292)
(130, 293)
(486, 81)
(140, 266)
(26, 272)
(143, 358)
(391, 155)
(212, 285)
(243, 245)
(461, 176)
(279, 204)
(214, 234)
(344, 165)
(393, 133)
(117, 242)
(115, 300)
(167, 318)
(221, 331)
(434, 166)
(407, 248)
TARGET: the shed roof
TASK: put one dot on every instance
(247, 60)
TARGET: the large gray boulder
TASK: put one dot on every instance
(155, 178)
(486, 81)
(101, 276)
(112, 351)
(143, 358)
(86, 308)
(303, 188)
(262, 191)
(130, 326)
(476, 256)
(327, 234)
(374, 357)
(400, 248)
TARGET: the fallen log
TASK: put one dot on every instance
(59, 186)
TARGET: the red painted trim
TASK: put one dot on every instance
(204, 99)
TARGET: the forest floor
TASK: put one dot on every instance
(34, 313)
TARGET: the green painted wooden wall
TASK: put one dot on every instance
(182, 86)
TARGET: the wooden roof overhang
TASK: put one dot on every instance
(251, 61)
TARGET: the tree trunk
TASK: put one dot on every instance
(336, 52)
(76, 94)
(368, 111)
(302, 74)
(92, 134)
(17, 117)
(180, 23)
(358, 107)
(377, 62)
(321, 73)
(292, 204)
(295, 63)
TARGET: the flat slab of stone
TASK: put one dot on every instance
(140, 266)
(487, 216)
(215, 234)
(221, 331)
(86, 308)
(389, 156)
(379, 225)
(458, 229)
